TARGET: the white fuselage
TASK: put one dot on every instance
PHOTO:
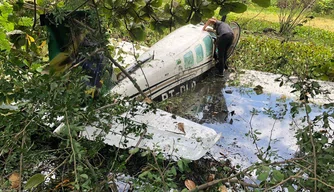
(176, 62)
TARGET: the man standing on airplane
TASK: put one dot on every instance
(224, 41)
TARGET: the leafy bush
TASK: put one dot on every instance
(325, 7)
(301, 33)
(271, 55)
(314, 35)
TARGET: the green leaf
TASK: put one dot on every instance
(144, 153)
(263, 173)
(134, 150)
(224, 11)
(235, 7)
(118, 3)
(262, 3)
(25, 21)
(291, 189)
(196, 18)
(34, 181)
(308, 109)
(143, 174)
(138, 33)
(35, 66)
(167, 8)
(140, 2)
(207, 12)
(116, 23)
(263, 176)
(156, 3)
(180, 165)
(85, 176)
(4, 43)
(173, 170)
(278, 176)
(6, 10)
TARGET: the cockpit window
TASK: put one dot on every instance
(208, 46)
(199, 53)
(188, 59)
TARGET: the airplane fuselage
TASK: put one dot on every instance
(173, 65)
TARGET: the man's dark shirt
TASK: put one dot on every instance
(222, 28)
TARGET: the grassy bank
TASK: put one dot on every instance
(268, 54)
(309, 51)
(303, 33)
(270, 14)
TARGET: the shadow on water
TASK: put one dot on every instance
(235, 111)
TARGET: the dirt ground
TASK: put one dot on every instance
(317, 22)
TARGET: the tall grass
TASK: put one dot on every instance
(266, 51)
(302, 33)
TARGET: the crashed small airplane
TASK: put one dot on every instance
(168, 68)
(174, 64)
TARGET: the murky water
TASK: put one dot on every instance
(235, 111)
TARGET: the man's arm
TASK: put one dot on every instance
(209, 22)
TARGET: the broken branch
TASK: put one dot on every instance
(127, 75)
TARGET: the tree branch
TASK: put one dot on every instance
(159, 170)
(72, 148)
(137, 144)
(127, 75)
(191, 11)
(115, 62)
(77, 8)
(83, 25)
(316, 179)
(313, 147)
(172, 15)
(98, 16)
(21, 161)
(215, 182)
(86, 58)
(35, 16)
(285, 180)
(134, 55)
(232, 179)
(229, 180)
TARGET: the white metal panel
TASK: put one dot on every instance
(166, 135)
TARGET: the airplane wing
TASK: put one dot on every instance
(172, 135)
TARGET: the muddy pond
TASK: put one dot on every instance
(241, 114)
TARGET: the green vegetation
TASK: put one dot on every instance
(324, 7)
(262, 48)
(302, 33)
(34, 158)
(269, 54)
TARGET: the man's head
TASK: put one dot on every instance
(214, 18)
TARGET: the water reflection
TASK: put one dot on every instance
(234, 111)
(211, 106)
(263, 113)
